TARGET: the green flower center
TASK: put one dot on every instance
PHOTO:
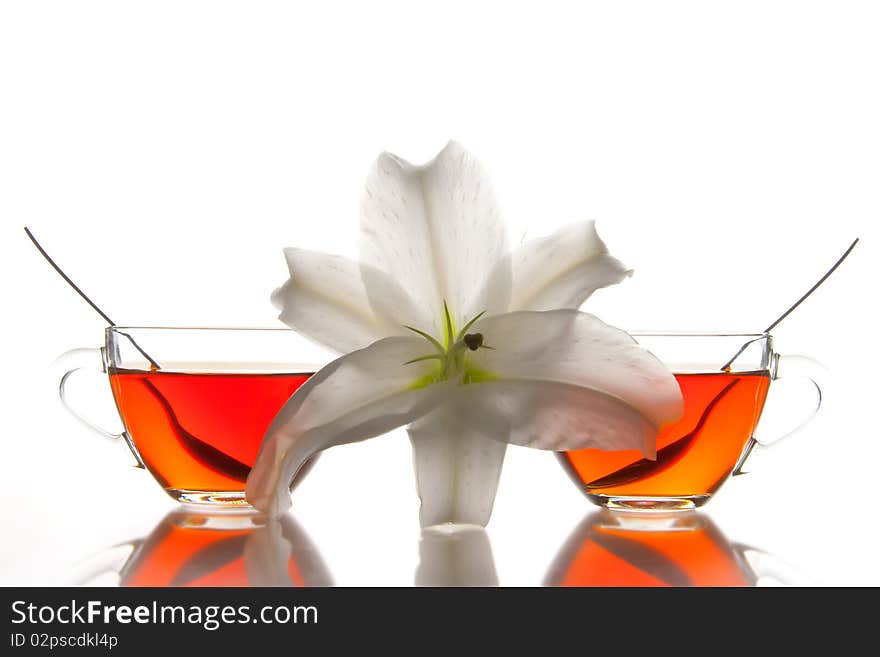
(452, 362)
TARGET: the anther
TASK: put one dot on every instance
(473, 341)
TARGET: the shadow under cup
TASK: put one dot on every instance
(724, 380)
(195, 402)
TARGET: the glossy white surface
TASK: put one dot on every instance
(729, 156)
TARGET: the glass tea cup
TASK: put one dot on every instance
(195, 402)
(716, 433)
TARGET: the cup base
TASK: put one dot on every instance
(213, 499)
(658, 504)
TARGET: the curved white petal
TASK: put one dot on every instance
(325, 299)
(556, 416)
(568, 346)
(562, 269)
(457, 469)
(455, 556)
(435, 229)
(360, 395)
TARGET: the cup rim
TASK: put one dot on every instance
(697, 334)
(281, 329)
(199, 328)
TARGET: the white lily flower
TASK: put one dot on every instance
(469, 345)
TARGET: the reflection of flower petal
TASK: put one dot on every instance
(562, 269)
(325, 300)
(360, 395)
(266, 556)
(567, 346)
(435, 228)
(457, 470)
(307, 567)
(555, 416)
(281, 554)
(459, 556)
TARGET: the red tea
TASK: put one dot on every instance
(200, 431)
(694, 455)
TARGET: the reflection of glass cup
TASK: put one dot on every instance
(222, 549)
(676, 549)
(712, 439)
(196, 402)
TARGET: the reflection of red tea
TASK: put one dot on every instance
(167, 561)
(199, 550)
(605, 552)
(694, 455)
(200, 432)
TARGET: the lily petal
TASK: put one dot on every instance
(562, 269)
(360, 395)
(457, 469)
(556, 416)
(326, 300)
(568, 346)
(436, 229)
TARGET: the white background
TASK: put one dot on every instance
(164, 153)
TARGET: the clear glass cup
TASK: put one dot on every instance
(195, 402)
(724, 379)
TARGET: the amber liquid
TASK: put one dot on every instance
(611, 556)
(184, 556)
(200, 432)
(694, 455)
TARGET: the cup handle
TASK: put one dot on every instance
(793, 367)
(799, 367)
(74, 361)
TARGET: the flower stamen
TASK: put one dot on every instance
(473, 341)
(430, 338)
(449, 330)
(451, 355)
(465, 328)
(428, 357)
